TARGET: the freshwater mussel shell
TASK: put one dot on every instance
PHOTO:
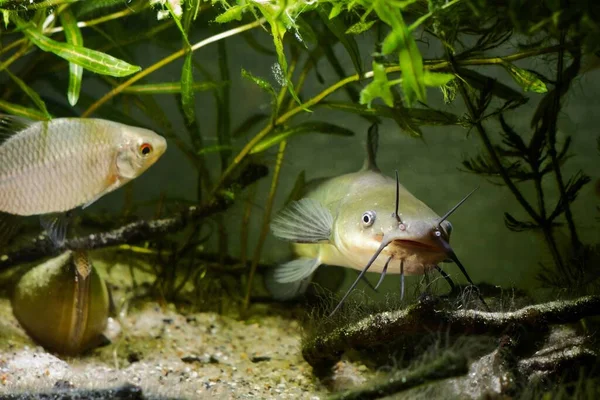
(63, 303)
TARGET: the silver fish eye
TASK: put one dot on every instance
(368, 218)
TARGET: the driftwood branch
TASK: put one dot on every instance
(447, 366)
(134, 232)
(426, 316)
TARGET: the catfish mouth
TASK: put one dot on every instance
(417, 245)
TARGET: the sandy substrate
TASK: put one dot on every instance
(170, 355)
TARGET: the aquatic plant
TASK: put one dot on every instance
(52, 42)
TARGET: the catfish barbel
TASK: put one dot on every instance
(362, 220)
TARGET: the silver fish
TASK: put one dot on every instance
(55, 166)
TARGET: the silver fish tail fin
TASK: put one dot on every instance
(372, 146)
(289, 280)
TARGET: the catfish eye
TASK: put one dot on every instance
(437, 232)
(448, 227)
(368, 218)
(145, 149)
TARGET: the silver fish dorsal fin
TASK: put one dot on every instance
(11, 125)
(372, 145)
(303, 221)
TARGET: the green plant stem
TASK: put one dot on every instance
(546, 226)
(265, 227)
(494, 156)
(429, 64)
(167, 60)
(273, 191)
(552, 144)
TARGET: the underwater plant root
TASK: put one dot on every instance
(134, 232)
(430, 315)
(447, 366)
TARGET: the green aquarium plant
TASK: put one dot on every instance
(386, 59)
(64, 44)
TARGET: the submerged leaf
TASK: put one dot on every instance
(572, 188)
(87, 7)
(481, 82)
(232, 13)
(260, 82)
(528, 80)
(73, 36)
(360, 27)
(380, 87)
(92, 60)
(171, 87)
(187, 89)
(437, 79)
(307, 127)
(518, 226)
(21, 111)
(217, 148)
(32, 94)
(411, 61)
(406, 118)
(339, 28)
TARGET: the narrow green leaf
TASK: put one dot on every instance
(360, 27)
(232, 13)
(480, 82)
(307, 127)
(335, 10)
(171, 87)
(6, 17)
(339, 28)
(378, 88)
(437, 79)
(408, 119)
(21, 111)
(73, 36)
(177, 22)
(187, 89)
(261, 83)
(32, 94)
(410, 58)
(91, 60)
(88, 7)
(22, 5)
(526, 79)
(217, 148)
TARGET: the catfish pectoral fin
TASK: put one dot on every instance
(303, 221)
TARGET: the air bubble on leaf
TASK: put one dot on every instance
(278, 74)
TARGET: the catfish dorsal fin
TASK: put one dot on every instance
(372, 144)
